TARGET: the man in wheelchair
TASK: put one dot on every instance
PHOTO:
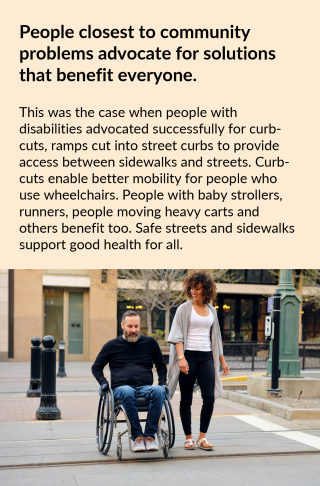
(131, 357)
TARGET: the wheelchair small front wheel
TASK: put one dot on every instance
(119, 453)
(166, 450)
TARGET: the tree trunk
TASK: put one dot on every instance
(167, 322)
(149, 322)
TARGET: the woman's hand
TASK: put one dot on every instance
(225, 368)
(183, 365)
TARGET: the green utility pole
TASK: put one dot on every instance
(289, 362)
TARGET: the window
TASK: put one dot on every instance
(104, 274)
(229, 319)
(53, 313)
(242, 317)
(246, 319)
(262, 313)
(253, 276)
(157, 316)
(268, 277)
(310, 322)
(125, 305)
(75, 323)
(64, 319)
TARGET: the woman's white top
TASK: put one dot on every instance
(198, 338)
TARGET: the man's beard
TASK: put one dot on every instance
(132, 337)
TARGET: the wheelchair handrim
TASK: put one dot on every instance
(173, 429)
(168, 422)
(98, 430)
(110, 423)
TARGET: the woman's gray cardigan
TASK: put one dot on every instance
(178, 334)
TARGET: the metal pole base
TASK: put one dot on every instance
(61, 373)
(34, 389)
(48, 413)
(275, 392)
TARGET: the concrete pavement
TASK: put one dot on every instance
(235, 430)
(238, 431)
(59, 443)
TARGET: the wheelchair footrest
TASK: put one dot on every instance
(124, 421)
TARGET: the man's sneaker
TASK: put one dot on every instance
(150, 444)
(139, 445)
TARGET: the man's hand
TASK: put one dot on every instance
(103, 389)
(184, 366)
(167, 390)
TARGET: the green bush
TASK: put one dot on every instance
(314, 340)
(159, 336)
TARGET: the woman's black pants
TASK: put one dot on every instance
(201, 368)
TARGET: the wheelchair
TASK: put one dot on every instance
(107, 418)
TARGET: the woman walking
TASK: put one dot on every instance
(196, 348)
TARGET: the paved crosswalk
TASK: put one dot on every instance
(267, 426)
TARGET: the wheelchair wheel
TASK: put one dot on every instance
(166, 426)
(105, 422)
(173, 429)
(168, 423)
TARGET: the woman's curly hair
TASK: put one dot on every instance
(200, 276)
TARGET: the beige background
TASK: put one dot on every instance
(282, 92)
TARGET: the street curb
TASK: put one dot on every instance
(154, 459)
(283, 411)
(239, 378)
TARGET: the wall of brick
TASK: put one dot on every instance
(102, 311)
(28, 311)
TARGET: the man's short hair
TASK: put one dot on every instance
(129, 313)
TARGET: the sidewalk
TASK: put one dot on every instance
(84, 406)
(240, 434)
(77, 394)
(235, 429)
(78, 369)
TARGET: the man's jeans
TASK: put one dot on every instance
(128, 396)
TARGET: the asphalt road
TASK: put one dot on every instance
(291, 470)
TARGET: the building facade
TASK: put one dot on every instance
(4, 314)
(80, 307)
(74, 306)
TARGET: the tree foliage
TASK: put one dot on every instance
(311, 287)
(161, 289)
(142, 287)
